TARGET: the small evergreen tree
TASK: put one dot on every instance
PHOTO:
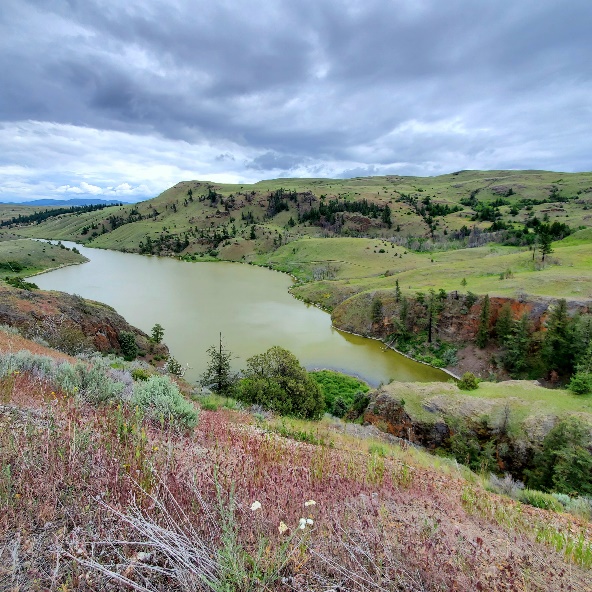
(218, 375)
(518, 346)
(557, 353)
(545, 240)
(376, 313)
(581, 381)
(503, 325)
(434, 306)
(157, 333)
(397, 291)
(386, 216)
(483, 329)
(127, 342)
(404, 317)
(564, 463)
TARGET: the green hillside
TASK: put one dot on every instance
(416, 228)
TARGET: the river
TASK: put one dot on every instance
(249, 305)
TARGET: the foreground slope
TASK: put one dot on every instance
(77, 480)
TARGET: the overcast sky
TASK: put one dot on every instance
(122, 99)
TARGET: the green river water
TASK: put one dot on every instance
(251, 306)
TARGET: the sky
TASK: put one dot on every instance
(121, 100)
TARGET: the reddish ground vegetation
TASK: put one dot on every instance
(380, 522)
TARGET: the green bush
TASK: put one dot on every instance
(140, 374)
(160, 400)
(468, 382)
(18, 282)
(563, 463)
(581, 383)
(538, 499)
(336, 386)
(277, 381)
(358, 406)
(340, 407)
(127, 341)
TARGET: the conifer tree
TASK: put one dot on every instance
(503, 326)
(218, 375)
(518, 346)
(483, 330)
(376, 312)
(557, 351)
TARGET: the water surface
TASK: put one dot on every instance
(251, 306)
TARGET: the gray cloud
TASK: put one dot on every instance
(317, 86)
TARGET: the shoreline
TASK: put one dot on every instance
(294, 279)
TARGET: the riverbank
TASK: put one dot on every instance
(249, 305)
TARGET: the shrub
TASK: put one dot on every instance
(173, 367)
(506, 486)
(18, 282)
(160, 400)
(340, 407)
(538, 499)
(358, 405)
(580, 506)
(277, 381)
(468, 382)
(10, 330)
(563, 463)
(127, 341)
(581, 383)
(140, 374)
(334, 386)
(93, 380)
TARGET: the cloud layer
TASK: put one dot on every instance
(124, 99)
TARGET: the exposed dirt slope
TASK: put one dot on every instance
(68, 322)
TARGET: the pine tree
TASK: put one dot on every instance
(545, 240)
(397, 291)
(483, 330)
(503, 326)
(157, 333)
(518, 346)
(404, 317)
(386, 216)
(434, 307)
(376, 311)
(557, 351)
(218, 375)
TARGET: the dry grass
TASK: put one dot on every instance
(92, 499)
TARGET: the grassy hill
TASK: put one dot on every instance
(519, 195)
(33, 257)
(521, 235)
(261, 223)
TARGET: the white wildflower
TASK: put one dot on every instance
(310, 503)
(282, 527)
(302, 524)
(255, 506)
(309, 521)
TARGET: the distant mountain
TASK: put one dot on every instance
(67, 202)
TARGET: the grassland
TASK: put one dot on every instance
(529, 403)
(357, 265)
(369, 257)
(34, 257)
(574, 189)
